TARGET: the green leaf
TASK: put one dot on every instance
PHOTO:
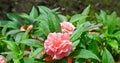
(111, 22)
(103, 16)
(44, 27)
(87, 54)
(108, 20)
(50, 22)
(113, 44)
(12, 32)
(62, 18)
(117, 33)
(16, 19)
(9, 57)
(6, 53)
(54, 22)
(3, 23)
(29, 60)
(4, 30)
(36, 52)
(82, 28)
(16, 60)
(33, 13)
(21, 36)
(78, 17)
(37, 33)
(41, 17)
(86, 10)
(97, 17)
(52, 19)
(12, 25)
(93, 47)
(25, 35)
(107, 57)
(81, 20)
(117, 36)
(18, 37)
(75, 53)
(77, 33)
(31, 42)
(44, 10)
(9, 24)
(75, 18)
(12, 46)
(75, 43)
(24, 15)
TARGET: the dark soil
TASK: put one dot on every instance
(69, 7)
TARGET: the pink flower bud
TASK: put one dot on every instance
(58, 45)
(67, 27)
(2, 59)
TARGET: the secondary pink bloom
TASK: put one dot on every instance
(67, 27)
(2, 59)
(58, 45)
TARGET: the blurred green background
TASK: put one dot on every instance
(67, 7)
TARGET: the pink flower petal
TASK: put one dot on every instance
(58, 45)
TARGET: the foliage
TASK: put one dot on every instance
(22, 36)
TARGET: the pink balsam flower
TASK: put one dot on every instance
(2, 59)
(67, 27)
(58, 45)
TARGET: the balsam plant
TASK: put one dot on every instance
(23, 35)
